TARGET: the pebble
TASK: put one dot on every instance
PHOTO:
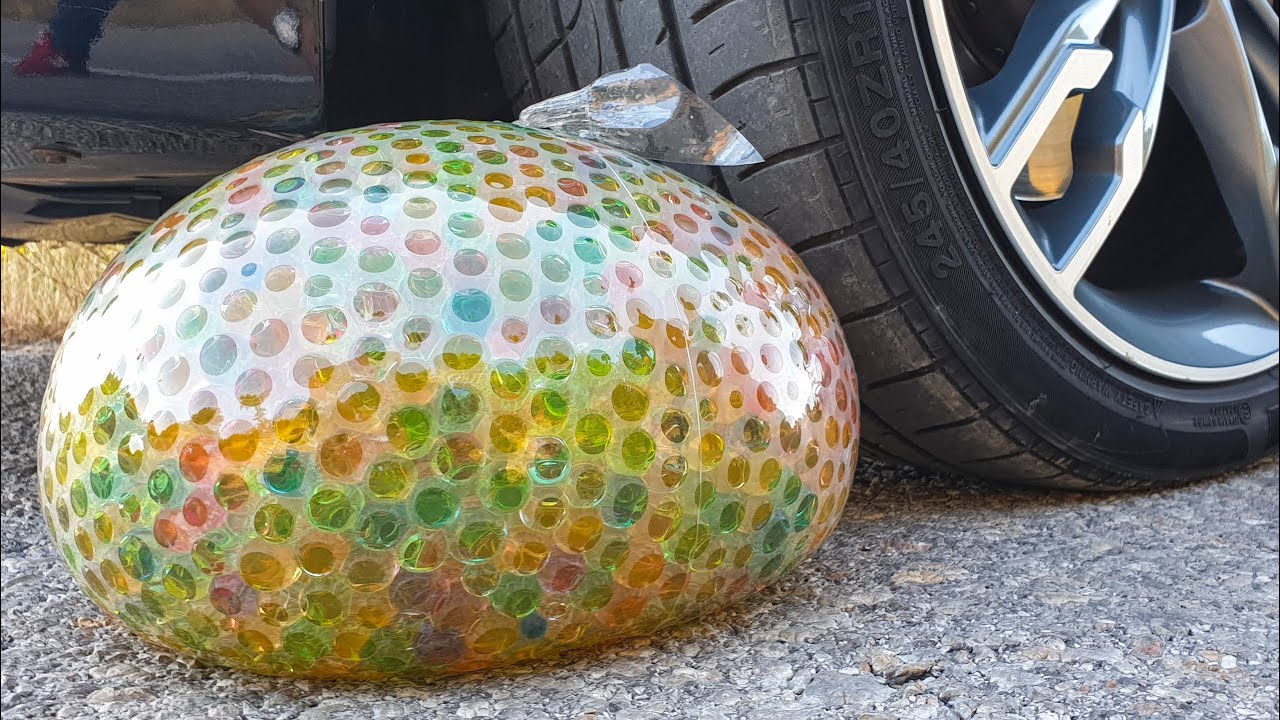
(901, 674)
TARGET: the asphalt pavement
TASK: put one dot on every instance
(937, 597)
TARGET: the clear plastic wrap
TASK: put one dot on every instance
(647, 112)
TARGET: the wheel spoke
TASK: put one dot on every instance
(1056, 54)
(1113, 141)
(1062, 134)
(1210, 72)
(1260, 34)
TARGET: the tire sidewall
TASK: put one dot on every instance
(1104, 417)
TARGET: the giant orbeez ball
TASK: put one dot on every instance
(428, 397)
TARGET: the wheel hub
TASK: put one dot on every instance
(1059, 111)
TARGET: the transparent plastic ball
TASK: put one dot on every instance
(429, 397)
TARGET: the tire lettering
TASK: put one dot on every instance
(1141, 406)
(918, 208)
(896, 156)
(885, 123)
(849, 11)
(863, 50)
(944, 263)
(1224, 416)
(868, 86)
(931, 236)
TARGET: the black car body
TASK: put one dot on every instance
(118, 108)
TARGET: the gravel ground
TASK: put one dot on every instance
(936, 598)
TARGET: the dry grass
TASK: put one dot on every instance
(42, 285)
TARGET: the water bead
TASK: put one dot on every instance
(376, 259)
(471, 305)
(428, 397)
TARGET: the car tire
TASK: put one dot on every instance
(964, 366)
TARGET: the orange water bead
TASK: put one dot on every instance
(162, 431)
(340, 455)
(238, 441)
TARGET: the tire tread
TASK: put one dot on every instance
(921, 406)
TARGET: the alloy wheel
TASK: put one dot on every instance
(1062, 132)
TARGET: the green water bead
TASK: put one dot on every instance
(457, 167)
(594, 591)
(389, 478)
(516, 595)
(506, 490)
(323, 608)
(79, 498)
(273, 523)
(208, 556)
(690, 543)
(305, 644)
(704, 494)
(599, 363)
(638, 450)
(480, 540)
(100, 478)
(648, 204)
(436, 507)
(328, 251)
(804, 511)
(592, 434)
(614, 554)
(508, 380)
(555, 268)
(589, 250)
(104, 426)
(381, 529)
(583, 216)
(425, 283)
(617, 208)
(332, 507)
(730, 517)
(459, 406)
(179, 582)
(160, 485)
(548, 408)
(638, 356)
(774, 536)
(376, 260)
(409, 430)
(136, 558)
(755, 434)
(628, 506)
(791, 489)
(465, 225)
(515, 286)
(549, 230)
(419, 179)
(283, 474)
